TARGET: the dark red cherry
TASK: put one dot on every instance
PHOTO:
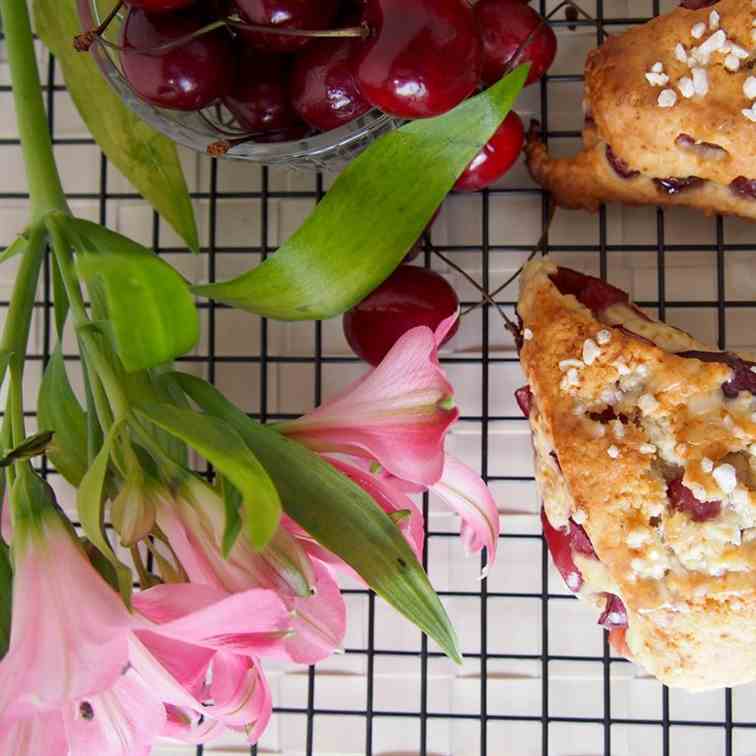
(562, 544)
(672, 186)
(159, 6)
(258, 96)
(188, 77)
(423, 57)
(681, 498)
(496, 158)
(309, 15)
(506, 26)
(595, 294)
(409, 297)
(323, 88)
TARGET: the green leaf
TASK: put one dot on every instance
(6, 598)
(60, 301)
(232, 502)
(30, 447)
(339, 515)
(60, 411)
(150, 308)
(147, 159)
(222, 446)
(89, 500)
(16, 247)
(375, 211)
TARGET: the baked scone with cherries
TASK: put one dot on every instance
(646, 466)
(670, 117)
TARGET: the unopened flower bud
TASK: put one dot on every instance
(133, 512)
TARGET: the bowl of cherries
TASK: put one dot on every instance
(304, 83)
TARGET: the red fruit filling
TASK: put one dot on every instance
(615, 613)
(524, 399)
(744, 187)
(595, 294)
(621, 168)
(743, 378)
(671, 186)
(681, 498)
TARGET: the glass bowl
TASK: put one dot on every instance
(200, 130)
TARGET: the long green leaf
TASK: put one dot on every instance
(17, 247)
(147, 159)
(222, 446)
(59, 411)
(89, 500)
(372, 215)
(232, 502)
(6, 598)
(150, 309)
(340, 515)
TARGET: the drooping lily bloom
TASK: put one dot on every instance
(69, 632)
(397, 414)
(194, 523)
(395, 419)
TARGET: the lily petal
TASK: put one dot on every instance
(464, 491)
(387, 494)
(190, 726)
(69, 631)
(123, 721)
(397, 414)
(33, 736)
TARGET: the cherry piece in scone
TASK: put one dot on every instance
(422, 58)
(496, 158)
(190, 76)
(408, 298)
(308, 15)
(511, 29)
(323, 87)
(743, 377)
(562, 544)
(524, 399)
(159, 6)
(258, 96)
(681, 498)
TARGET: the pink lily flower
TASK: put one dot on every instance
(193, 523)
(42, 733)
(60, 650)
(397, 414)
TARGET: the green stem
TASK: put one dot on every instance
(45, 189)
(96, 361)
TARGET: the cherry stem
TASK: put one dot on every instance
(85, 40)
(362, 31)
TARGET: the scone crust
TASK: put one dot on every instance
(690, 628)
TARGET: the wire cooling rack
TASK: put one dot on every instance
(539, 677)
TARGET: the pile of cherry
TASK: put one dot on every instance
(268, 62)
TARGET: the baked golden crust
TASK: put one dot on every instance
(689, 586)
(718, 140)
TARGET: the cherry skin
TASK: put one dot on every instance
(323, 89)
(188, 77)
(309, 15)
(409, 297)
(504, 26)
(159, 6)
(258, 96)
(423, 57)
(496, 158)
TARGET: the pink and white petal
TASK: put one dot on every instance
(60, 649)
(190, 726)
(464, 491)
(123, 721)
(443, 328)
(397, 414)
(241, 695)
(319, 622)
(33, 736)
(254, 623)
(173, 601)
(389, 497)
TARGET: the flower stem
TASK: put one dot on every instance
(45, 189)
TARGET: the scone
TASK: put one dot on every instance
(645, 463)
(670, 117)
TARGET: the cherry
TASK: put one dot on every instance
(682, 498)
(287, 14)
(323, 88)
(159, 6)
(496, 158)
(423, 58)
(672, 186)
(614, 615)
(409, 297)
(561, 544)
(258, 95)
(595, 294)
(744, 187)
(524, 399)
(188, 77)
(505, 26)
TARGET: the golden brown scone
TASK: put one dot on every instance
(651, 453)
(702, 145)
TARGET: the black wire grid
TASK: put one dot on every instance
(365, 717)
